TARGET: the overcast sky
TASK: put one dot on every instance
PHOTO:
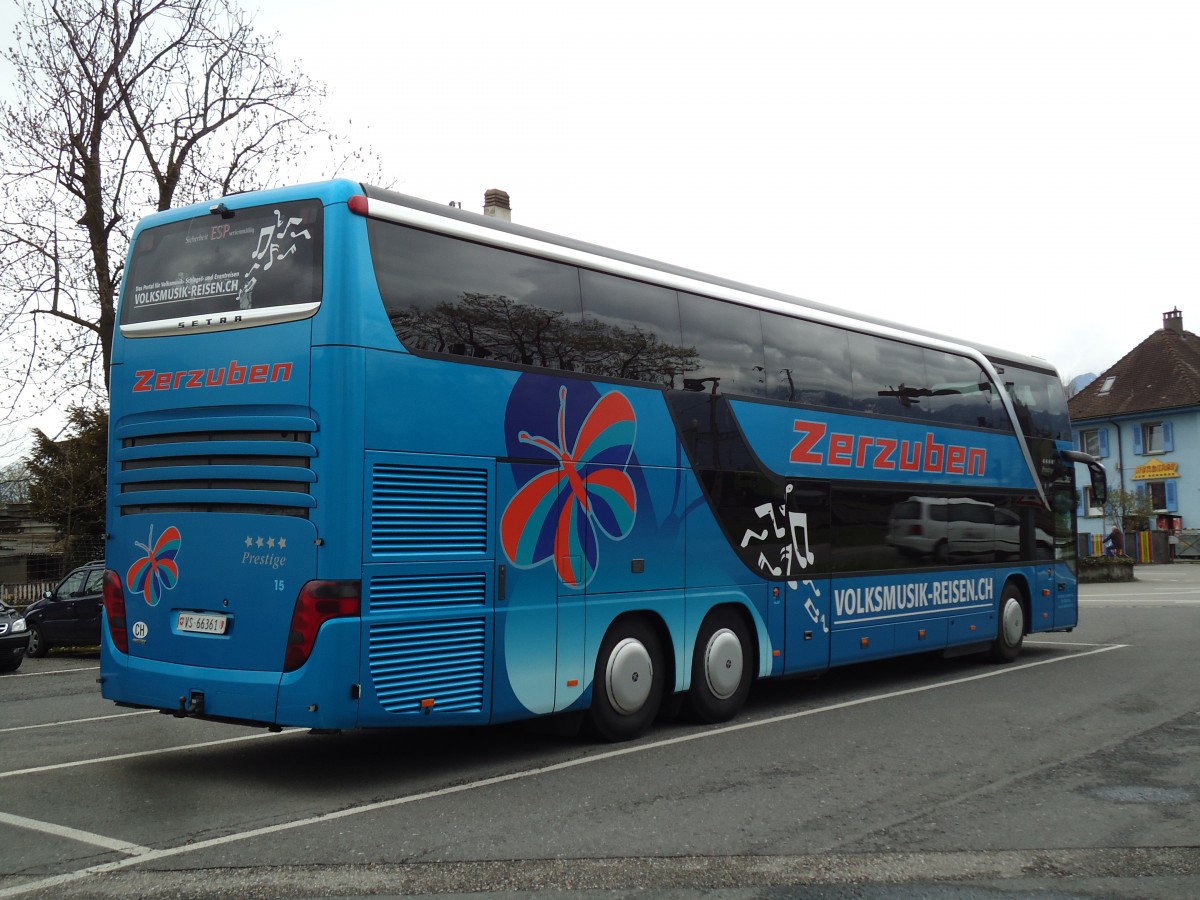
(1020, 173)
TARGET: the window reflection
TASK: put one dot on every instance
(455, 297)
(494, 327)
(634, 329)
(806, 362)
(961, 393)
(889, 377)
(882, 530)
(1040, 402)
(729, 339)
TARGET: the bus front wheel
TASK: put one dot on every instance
(720, 667)
(1010, 630)
(628, 685)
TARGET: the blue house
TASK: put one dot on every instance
(1141, 418)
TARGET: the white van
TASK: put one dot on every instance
(950, 529)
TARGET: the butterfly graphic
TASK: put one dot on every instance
(157, 571)
(557, 514)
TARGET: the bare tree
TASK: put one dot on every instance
(127, 106)
(14, 482)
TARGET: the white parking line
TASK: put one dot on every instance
(167, 852)
(1141, 595)
(140, 712)
(54, 767)
(74, 834)
(52, 672)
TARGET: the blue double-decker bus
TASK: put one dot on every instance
(376, 462)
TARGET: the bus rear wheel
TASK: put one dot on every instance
(720, 668)
(628, 685)
(1010, 630)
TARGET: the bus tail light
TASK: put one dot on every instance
(319, 601)
(114, 609)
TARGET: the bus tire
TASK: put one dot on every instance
(721, 667)
(1010, 629)
(628, 685)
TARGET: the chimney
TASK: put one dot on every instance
(495, 203)
(1173, 321)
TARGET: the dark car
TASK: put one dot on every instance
(13, 638)
(69, 615)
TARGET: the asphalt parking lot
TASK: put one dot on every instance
(1070, 773)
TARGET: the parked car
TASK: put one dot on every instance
(70, 614)
(14, 638)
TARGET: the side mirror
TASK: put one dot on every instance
(47, 595)
(1099, 480)
(1099, 484)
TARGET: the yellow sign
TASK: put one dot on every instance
(1155, 470)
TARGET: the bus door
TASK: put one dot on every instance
(1065, 580)
(806, 556)
(1037, 544)
(529, 576)
(1055, 599)
(807, 625)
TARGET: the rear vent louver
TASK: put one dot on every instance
(221, 463)
(437, 667)
(428, 510)
(414, 593)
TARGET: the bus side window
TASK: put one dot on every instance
(889, 377)
(631, 330)
(455, 297)
(962, 393)
(729, 342)
(807, 362)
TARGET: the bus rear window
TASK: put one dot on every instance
(248, 266)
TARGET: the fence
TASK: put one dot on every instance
(1143, 546)
(23, 594)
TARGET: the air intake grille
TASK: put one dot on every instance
(423, 510)
(429, 665)
(234, 463)
(403, 593)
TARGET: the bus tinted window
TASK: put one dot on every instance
(261, 257)
(806, 362)
(631, 330)
(889, 377)
(1040, 402)
(878, 529)
(452, 296)
(729, 342)
(962, 392)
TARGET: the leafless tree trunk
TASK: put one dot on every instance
(127, 106)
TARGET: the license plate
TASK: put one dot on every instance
(201, 623)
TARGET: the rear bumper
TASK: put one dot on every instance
(318, 695)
